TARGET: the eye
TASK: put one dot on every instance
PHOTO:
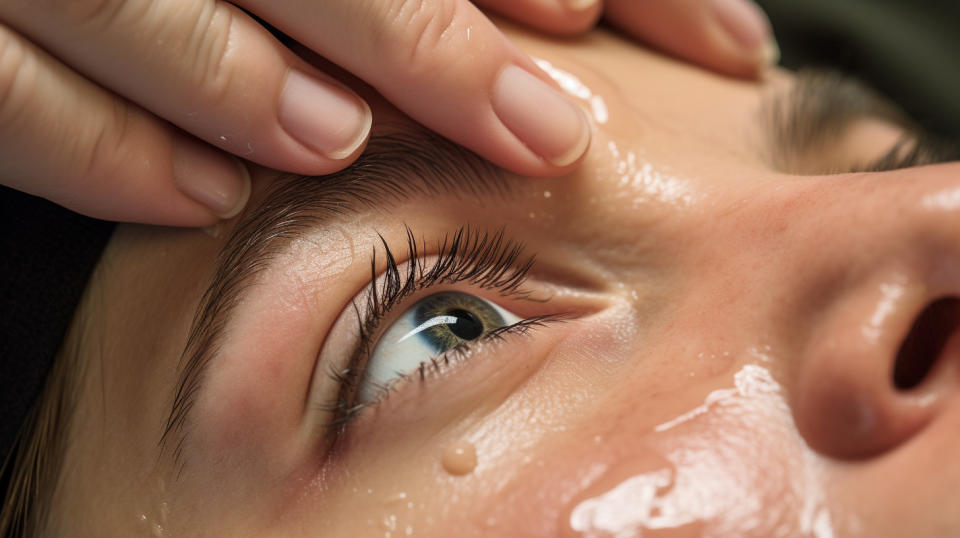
(431, 327)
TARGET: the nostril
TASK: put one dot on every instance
(849, 402)
(925, 342)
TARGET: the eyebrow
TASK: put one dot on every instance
(822, 105)
(401, 162)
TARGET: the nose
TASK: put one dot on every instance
(875, 269)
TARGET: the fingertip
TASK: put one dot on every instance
(246, 187)
(559, 17)
(754, 63)
(580, 5)
(579, 148)
(215, 180)
(326, 117)
(770, 54)
(733, 37)
(541, 117)
(576, 16)
(748, 29)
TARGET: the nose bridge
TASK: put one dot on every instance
(859, 223)
(810, 241)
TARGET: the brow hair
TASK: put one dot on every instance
(820, 107)
(400, 162)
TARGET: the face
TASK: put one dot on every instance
(712, 328)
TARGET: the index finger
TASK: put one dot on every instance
(447, 66)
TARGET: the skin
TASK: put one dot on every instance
(144, 102)
(724, 368)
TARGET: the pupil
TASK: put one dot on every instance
(467, 327)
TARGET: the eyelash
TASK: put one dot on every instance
(485, 260)
(922, 149)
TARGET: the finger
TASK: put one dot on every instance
(209, 68)
(446, 65)
(728, 36)
(65, 139)
(564, 17)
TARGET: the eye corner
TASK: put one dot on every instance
(481, 274)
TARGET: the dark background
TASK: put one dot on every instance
(907, 49)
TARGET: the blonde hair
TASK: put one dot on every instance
(35, 461)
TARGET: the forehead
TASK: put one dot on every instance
(664, 108)
(670, 142)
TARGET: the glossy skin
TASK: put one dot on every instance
(100, 100)
(725, 368)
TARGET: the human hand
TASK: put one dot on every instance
(101, 100)
(727, 36)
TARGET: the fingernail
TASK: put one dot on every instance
(770, 54)
(322, 116)
(579, 5)
(747, 24)
(540, 116)
(217, 181)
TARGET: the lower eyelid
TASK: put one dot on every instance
(536, 296)
(335, 356)
(436, 365)
(455, 380)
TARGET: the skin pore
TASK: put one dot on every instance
(715, 355)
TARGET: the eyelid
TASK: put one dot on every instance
(480, 260)
(460, 381)
(438, 364)
(818, 111)
(923, 150)
(354, 367)
(527, 297)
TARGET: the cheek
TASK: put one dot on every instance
(257, 389)
(731, 466)
(613, 435)
(697, 444)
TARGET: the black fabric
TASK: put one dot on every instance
(46, 256)
(907, 49)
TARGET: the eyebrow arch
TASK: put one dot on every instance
(401, 162)
(819, 109)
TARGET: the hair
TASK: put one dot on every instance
(34, 463)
